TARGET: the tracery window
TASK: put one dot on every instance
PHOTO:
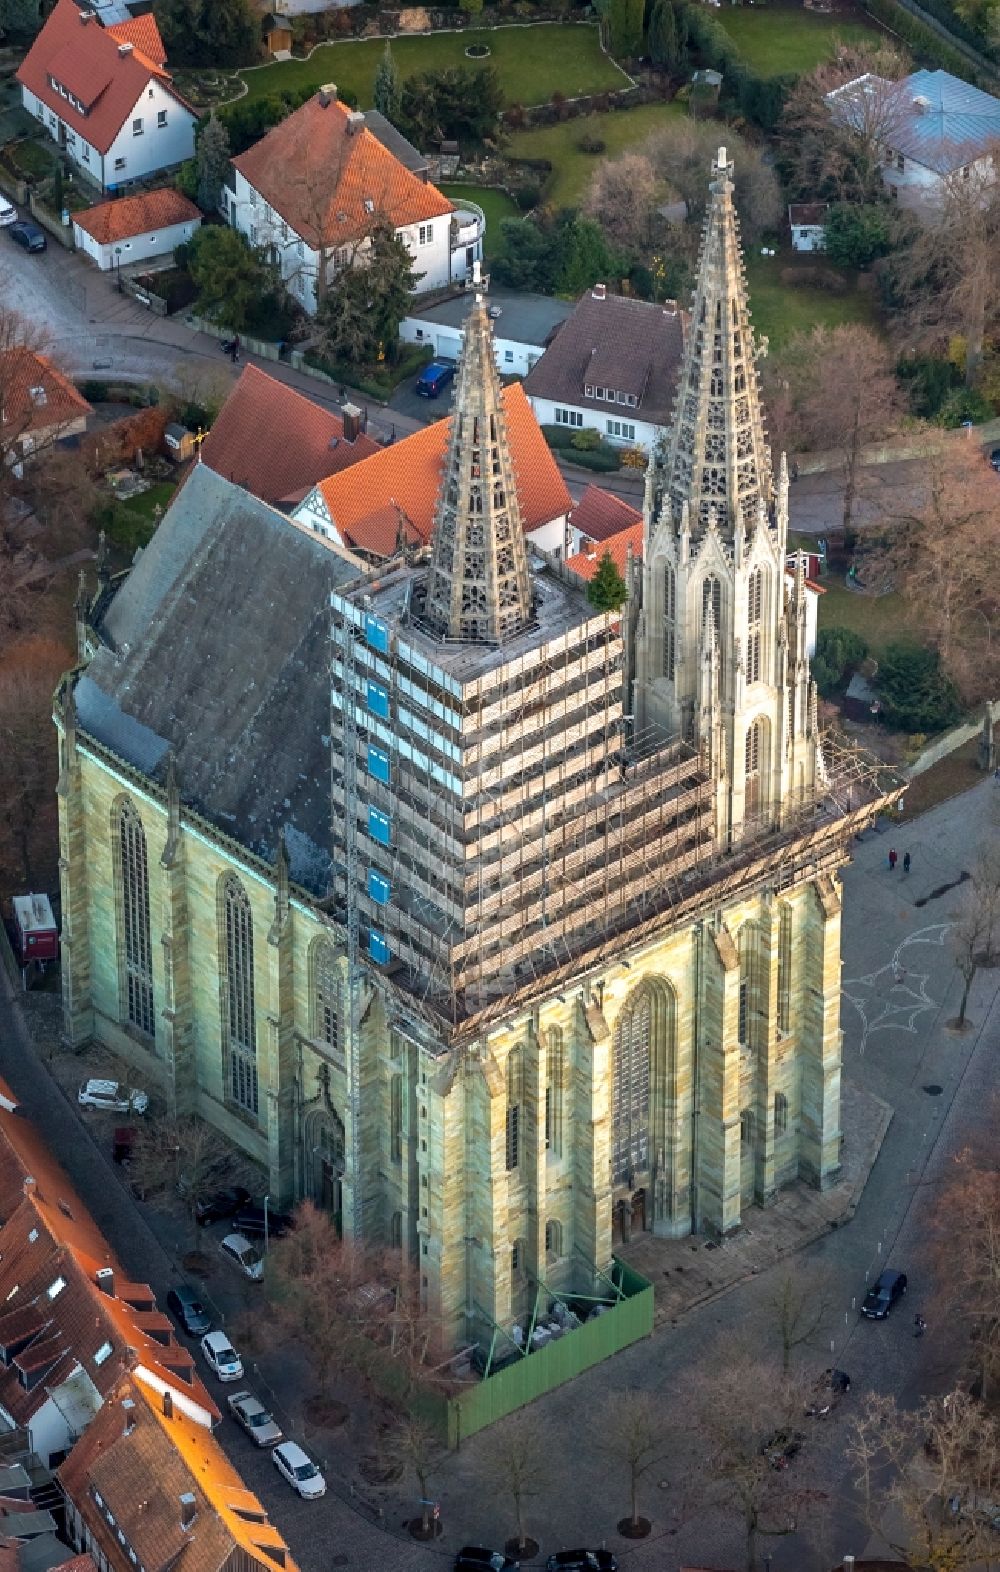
(711, 595)
(669, 621)
(555, 1059)
(780, 1113)
(515, 1094)
(755, 599)
(326, 995)
(238, 984)
(133, 871)
(754, 766)
(630, 1090)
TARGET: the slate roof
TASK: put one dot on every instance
(319, 168)
(35, 396)
(276, 442)
(600, 514)
(935, 118)
(810, 214)
(612, 341)
(137, 215)
(524, 319)
(217, 649)
(396, 143)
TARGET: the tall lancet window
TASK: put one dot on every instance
(755, 610)
(630, 1089)
(136, 945)
(711, 595)
(754, 765)
(238, 986)
(669, 621)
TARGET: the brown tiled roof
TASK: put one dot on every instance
(79, 53)
(137, 215)
(318, 173)
(365, 501)
(277, 443)
(587, 561)
(143, 32)
(808, 212)
(600, 513)
(611, 341)
(24, 408)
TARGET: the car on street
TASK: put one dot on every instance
(8, 212)
(299, 1469)
(224, 1203)
(995, 459)
(244, 1256)
(434, 378)
(221, 1357)
(582, 1561)
(883, 1294)
(259, 1425)
(250, 1220)
(111, 1096)
(187, 1309)
(28, 235)
(476, 1558)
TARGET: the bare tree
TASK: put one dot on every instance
(929, 1479)
(834, 148)
(974, 936)
(29, 671)
(517, 1462)
(622, 198)
(681, 154)
(186, 1157)
(801, 1304)
(417, 1449)
(966, 1250)
(634, 1432)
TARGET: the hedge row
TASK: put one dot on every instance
(922, 39)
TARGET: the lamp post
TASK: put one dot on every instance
(267, 1199)
(118, 262)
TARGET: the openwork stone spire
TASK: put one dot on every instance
(479, 587)
(717, 456)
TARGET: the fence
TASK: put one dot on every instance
(58, 230)
(145, 297)
(957, 737)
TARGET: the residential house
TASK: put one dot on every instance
(934, 128)
(148, 1489)
(38, 405)
(523, 326)
(807, 222)
(71, 1323)
(29, 1542)
(311, 190)
(611, 368)
(136, 228)
(597, 516)
(390, 499)
(278, 444)
(105, 96)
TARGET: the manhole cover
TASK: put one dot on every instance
(934, 1091)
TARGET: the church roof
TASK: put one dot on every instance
(216, 649)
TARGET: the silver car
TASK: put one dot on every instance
(255, 1419)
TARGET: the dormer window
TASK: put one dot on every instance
(33, 1236)
(369, 205)
(55, 1289)
(103, 1353)
(38, 397)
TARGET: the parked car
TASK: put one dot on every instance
(250, 1412)
(250, 1220)
(112, 1096)
(8, 212)
(582, 1561)
(434, 378)
(221, 1357)
(883, 1294)
(995, 459)
(186, 1308)
(299, 1469)
(224, 1203)
(238, 1249)
(28, 235)
(474, 1558)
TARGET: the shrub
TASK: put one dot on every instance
(587, 440)
(94, 392)
(604, 460)
(591, 144)
(838, 651)
(916, 693)
(528, 197)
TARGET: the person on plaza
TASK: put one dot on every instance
(906, 862)
(892, 859)
(919, 1326)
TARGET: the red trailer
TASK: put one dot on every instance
(36, 937)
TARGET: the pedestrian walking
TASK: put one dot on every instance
(898, 973)
(892, 859)
(919, 1326)
(906, 862)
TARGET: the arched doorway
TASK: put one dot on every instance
(324, 1150)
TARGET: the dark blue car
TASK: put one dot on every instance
(435, 377)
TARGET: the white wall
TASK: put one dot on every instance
(82, 152)
(808, 237)
(431, 257)
(914, 186)
(512, 357)
(155, 243)
(48, 1431)
(159, 147)
(597, 420)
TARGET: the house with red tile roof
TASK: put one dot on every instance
(390, 498)
(38, 405)
(599, 514)
(134, 228)
(312, 189)
(277, 443)
(109, 104)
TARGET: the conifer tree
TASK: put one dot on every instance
(386, 92)
(661, 38)
(606, 590)
(212, 162)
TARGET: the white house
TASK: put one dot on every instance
(136, 228)
(932, 127)
(109, 105)
(807, 222)
(311, 190)
(612, 368)
(523, 325)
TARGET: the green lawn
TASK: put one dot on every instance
(780, 309)
(880, 620)
(497, 205)
(618, 129)
(776, 41)
(532, 61)
(147, 502)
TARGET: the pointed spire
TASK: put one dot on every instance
(478, 585)
(717, 450)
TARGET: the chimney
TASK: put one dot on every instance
(105, 1279)
(28, 1183)
(848, 1564)
(351, 416)
(189, 1510)
(125, 49)
(128, 1409)
(327, 95)
(355, 122)
(85, 17)
(168, 1406)
(599, 291)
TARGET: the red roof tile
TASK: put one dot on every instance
(143, 32)
(587, 562)
(85, 58)
(137, 215)
(276, 442)
(599, 514)
(364, 501)
(35, 396)
(328, 181)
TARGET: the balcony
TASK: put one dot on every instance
(468, 226)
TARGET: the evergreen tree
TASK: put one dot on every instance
(386, 94)
(230, 276)
(606, 590)
(625, 19)
(585, 257)
(212, 161)
(662, 36)
(19, 17)
(360, 315)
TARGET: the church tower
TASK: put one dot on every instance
(721, 656)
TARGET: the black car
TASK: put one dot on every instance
(250, 1221)
(184, 1304)
(995, 459)
(224, 1203)
(883, 1294)
(582, 1561)
(475, 1558)
(28, 235)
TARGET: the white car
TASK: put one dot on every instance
(244, 1256)
(255, 1419)
(221, 1357)
(112, 1096)
(8, 213)
(299, 1469)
